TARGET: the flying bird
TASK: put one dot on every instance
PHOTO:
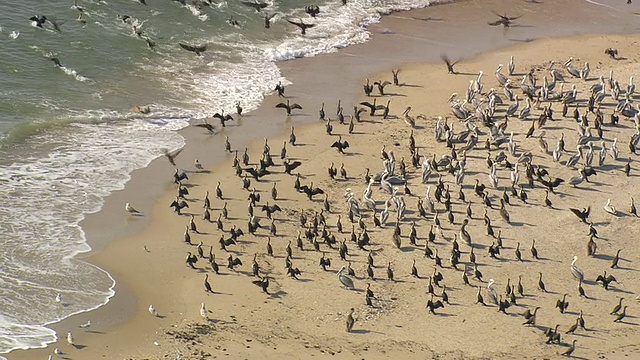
(303, 27)
(198, 49)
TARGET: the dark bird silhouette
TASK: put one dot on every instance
(191, 259)
(288, 106)
(206, 125)
(270, 209)
(606, 280)
(433, 305)
(267, 20)
(197, 49)
(257, 6)
(311, 191)
(582, 214)
(450, 65)
(178, 205)
(340, 145)
(263, 283)
(223, 118)
(290, 166)
(312, 10)
(171, 155)
(303, 27)
(207, 286)
(504, 20)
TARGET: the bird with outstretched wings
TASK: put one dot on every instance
(198, 49)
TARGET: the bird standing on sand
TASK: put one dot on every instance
(350, 320)
(577, 273)
(70, 339)
(130, 209)
(153, 311)
(203, 311)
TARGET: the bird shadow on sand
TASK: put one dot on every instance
(79, 347)
(427, 19)
(445, 315)
(410, 85)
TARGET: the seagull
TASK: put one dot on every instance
(130, 209)
(153, 311)
(203, 311)
(59, 297)
(85, 325)
(70, 339)
(58, 352)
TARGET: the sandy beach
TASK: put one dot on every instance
(305, 317)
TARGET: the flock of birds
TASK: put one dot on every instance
(481, 114)
(48, 23)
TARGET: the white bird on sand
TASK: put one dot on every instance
(85, 325)
(58, 352)
(203, 311)
(609, 208)
(577, 273)
(491, 292)
(130, 209)
(344, 279)
(50, 357)
(197, 164)
(153, 311)
(70, 338)
(58, 297)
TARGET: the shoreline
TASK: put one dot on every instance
(102, 240)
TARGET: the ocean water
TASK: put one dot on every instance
(68, 136)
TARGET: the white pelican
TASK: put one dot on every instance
(153, 311)
(577, 273)
(130, 209)
(344, 279)
(491, 292)
(609, 208)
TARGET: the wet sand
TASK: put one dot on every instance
(306, 317)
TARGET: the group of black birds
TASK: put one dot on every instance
(369, 238)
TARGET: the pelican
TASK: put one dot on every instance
(408, 119)
(631, 88)
(577, 273)
(609, 208)
(491, 292)
(344, 279)
(573, 71)
(511, 110)
(502, 79)
(512, 66)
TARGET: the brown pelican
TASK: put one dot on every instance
(344, 279)
(577, 273)
(609, 208)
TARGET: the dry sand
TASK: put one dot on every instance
(306, 318)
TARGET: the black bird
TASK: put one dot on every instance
(178, 205)
(223, 118)
(288, 106)
(256, 172)
(263, 284)
(611, 52)
(312, 10)
(372, 107)
(381, 86)
(303, 27)
(257, 6)
(504, 20)
(324, 262)
(197, 49)
(270, 209)
(311, 191)
(340, 145)
(433, 305)
(171, 155)
(191, 259)
(606, 280)
(267, 20)
(231, 262)
(206, 125)
(562, 304)
(290, 166)
(582, 214)
(55, 60)
(280, 89)
(450, 64)
(207, 286)
(368, 89)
